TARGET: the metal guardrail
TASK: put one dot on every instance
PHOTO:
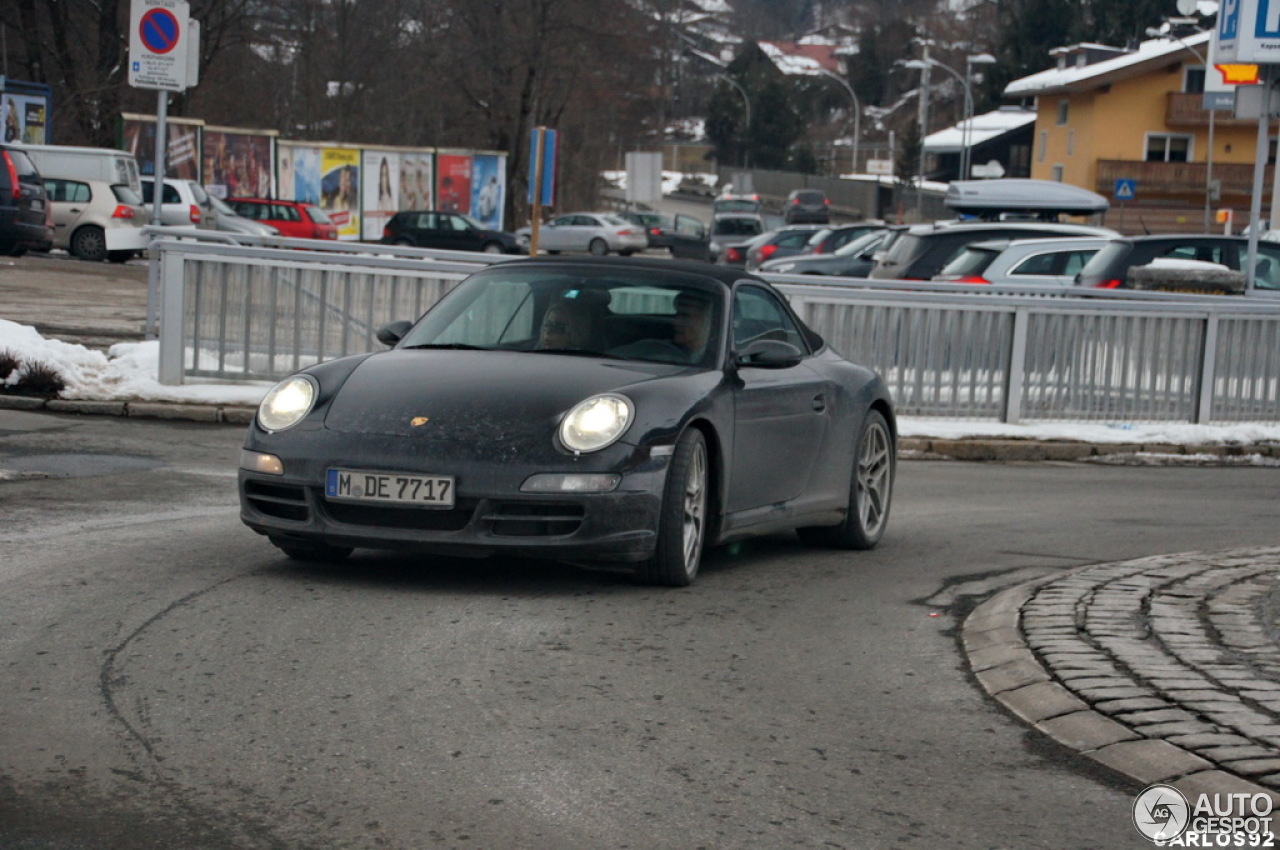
(240, 313)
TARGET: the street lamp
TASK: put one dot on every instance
(857, 108)
(746, 105)
(1208, 161)
(963, 79)
(969, 62)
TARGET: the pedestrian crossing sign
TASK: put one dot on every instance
(1126, 189)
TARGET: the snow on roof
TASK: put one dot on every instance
(807, 58)
(1078, 78)
(982, 128)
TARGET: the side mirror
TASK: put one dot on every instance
(392, 332)
(770, 354)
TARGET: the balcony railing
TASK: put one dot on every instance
(1187, 110)
(1174, 179)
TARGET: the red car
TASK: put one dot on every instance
(294, 219)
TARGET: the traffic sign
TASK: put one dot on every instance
(1126, 189)
(159, 45)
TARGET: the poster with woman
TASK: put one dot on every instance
(488, 190)
(340, 189)
(379, 200)
(453, 182)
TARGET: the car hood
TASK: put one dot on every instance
(467, 397)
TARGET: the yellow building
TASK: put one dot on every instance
(1107, 119)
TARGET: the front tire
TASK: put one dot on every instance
(598, 247)
(682, 519)
(492, 248)
(870, 490)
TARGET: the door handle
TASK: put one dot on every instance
(819, 403)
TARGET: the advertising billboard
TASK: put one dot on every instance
(380, 194)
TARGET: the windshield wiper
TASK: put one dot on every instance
(456, 346)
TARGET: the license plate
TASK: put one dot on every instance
(397, 487)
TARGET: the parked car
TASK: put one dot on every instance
(229, 221)
(728, 202)
(784, 242)
(483, 431)
(831, 238)
(447, 231)
(807, 206)
(919, 252)
(734, 229)
(294, 219)
(1109, 268)
(96, 220)
(26, 221)
(682, 235)
(184, 203)
(1022, 261)
(853, 259)
(597, 233)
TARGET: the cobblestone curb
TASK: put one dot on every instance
(1165, 669)
(233, 414)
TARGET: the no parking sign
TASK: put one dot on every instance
(160, 45)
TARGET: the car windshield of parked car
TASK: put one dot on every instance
(317, 214)
(863, 243)
(735, 205)
(634, 315)
(737, 227)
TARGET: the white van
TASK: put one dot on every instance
(73, 163)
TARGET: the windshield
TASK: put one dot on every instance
(863, 243)
(630, 315)
(221, 206)
(736, 227)
(318, 215)
(970, 261)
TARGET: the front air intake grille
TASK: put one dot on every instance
(422, 519)
(523, 519)
(282, 501)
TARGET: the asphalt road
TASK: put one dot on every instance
(173, 682)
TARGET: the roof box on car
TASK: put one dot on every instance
(1014, 197)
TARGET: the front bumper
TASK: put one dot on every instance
(616, 526)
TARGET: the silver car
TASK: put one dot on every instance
(597, 233)
(229, 221)
(1032, 261)
(184, 203)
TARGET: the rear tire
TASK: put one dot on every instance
(598, 247)
(682, 519)
(313, 552)
(492, 248)
(89, 243)
(870, 491)
(119, 256)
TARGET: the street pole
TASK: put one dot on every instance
(857, 113)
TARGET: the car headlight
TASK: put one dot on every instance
(596, 422)
(287, 403)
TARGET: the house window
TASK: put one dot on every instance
(1168, 148)
(1058, 173)
(1064, 111)
(1071, 142)
(1193, 82)
(1044, 145)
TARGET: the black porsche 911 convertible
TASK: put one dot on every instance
(630, 411)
